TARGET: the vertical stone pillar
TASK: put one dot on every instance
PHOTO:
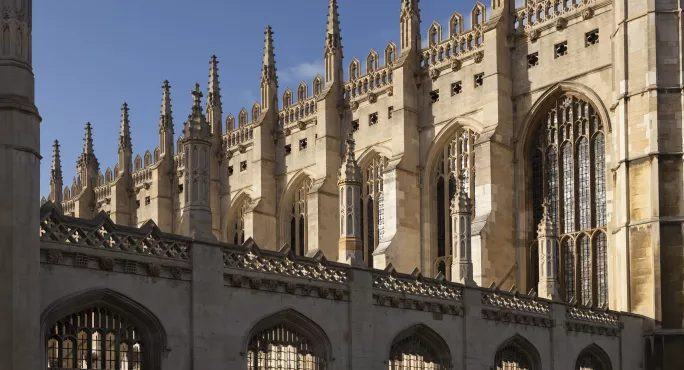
(461, 218)
(350, 245)
(19, 192)
(361, 321)
(548, 281)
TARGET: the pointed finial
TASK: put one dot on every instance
(56, 164)
(269, 50)
(125, 130)
(546, 226)
(88, 140)
(165, 120)
(333, 39)
(197, 96)
(214, 91)
(349, 171)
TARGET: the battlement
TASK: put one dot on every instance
(536, 14)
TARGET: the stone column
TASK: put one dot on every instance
(461, 218)
(548, 281)
(20, 336)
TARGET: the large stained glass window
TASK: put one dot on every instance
(283, 347)
(457, 155)
(373, 198)
(567, 167)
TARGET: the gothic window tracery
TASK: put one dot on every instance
(592, 358)
(284, 347)
(373, 201)
(95, 338)
(238, 236)
(567, 167)
(457, 155)
(512, 357)
(299, 219)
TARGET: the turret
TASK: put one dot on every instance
(333, 47)
(462, 263)
(546, 236)
(269, 78)
(166, 122)
(196, 217)
(56, 182)
(349, 183)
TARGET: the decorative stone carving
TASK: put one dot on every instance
(290, 288)
(323, 292)
(287, 131)
(354, 105)
(54, 257)
(255, 283)
(272, 285)
(81, 260)
(455, 64)
(478, 57)
(516, 318)
(416, 287)
(390, 91)
(534, 35)
(372, 98)
(106, 263)
(515, 302)
(306, 290)
(153, 269)
(176, 272)
(588, 13)
(561, 23)
(338, 294)
(301, 125)
(434, 74)
(236, 281)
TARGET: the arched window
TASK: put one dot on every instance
(102, 334)
(419, 348)
(567, 163)
(593, 358)
(287, 340)
(373, 200)
(239, 223)
(298, 219)
(516, 354)
(458, 154)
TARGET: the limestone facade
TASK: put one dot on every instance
(571, 104)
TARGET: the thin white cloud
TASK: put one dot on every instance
(304, 71)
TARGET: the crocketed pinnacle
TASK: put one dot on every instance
(196, 125)
(461, 202)
(333, 38)
(214, 93)
(125, 130)
(88, 140)
(546, 227)
(56, 173)
(350, 171)
(269, 50)
(197, 99)
(165, 120)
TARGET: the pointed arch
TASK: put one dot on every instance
(230, 122)
(593, 357)
(100, 178)
(422, 346)
(138, 164)
(434, 33)
(108, 175)
(287, 98)
(234, 227)
(478, 16)
(242, 117)
(148, 159)
(67, 192)
(373, 201)
(157, 154)
(302, 91)
(317, 85)
(517, 353)
(456, 24)
(290, 332)
(293, 212)
(390, 53)
(354, 69)
(256, 110)
(372, 61)
(179, 146)
(137, 316)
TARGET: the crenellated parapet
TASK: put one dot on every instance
(537, 15)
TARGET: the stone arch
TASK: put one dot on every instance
(518, 345)
(354, 69)
(230, 122)
(243, 118)
(371, 152)
(256, 110)
(456, 24)
(287, 98)
(524, 142)
(593, 357)
(390, 53)
(420, 338)
(234, 209)
(302, 92)
(372, 61)
(428, 193)
(289, 321)
(301, 178)
(317, 85)
(150, 326)
(373, 163)
(478, 16)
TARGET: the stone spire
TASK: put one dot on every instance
(56, 181)
(125, 130)
(87, 165)
(269, 50)
(214, 110)
(349, 183)
(546, 237)
(196, 218)
(88, 141)
(333, 46)
(269, 78)
(461, 219)
(166, 121)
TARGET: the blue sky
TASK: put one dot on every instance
(91, 56)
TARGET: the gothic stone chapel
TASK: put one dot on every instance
(509, 196)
